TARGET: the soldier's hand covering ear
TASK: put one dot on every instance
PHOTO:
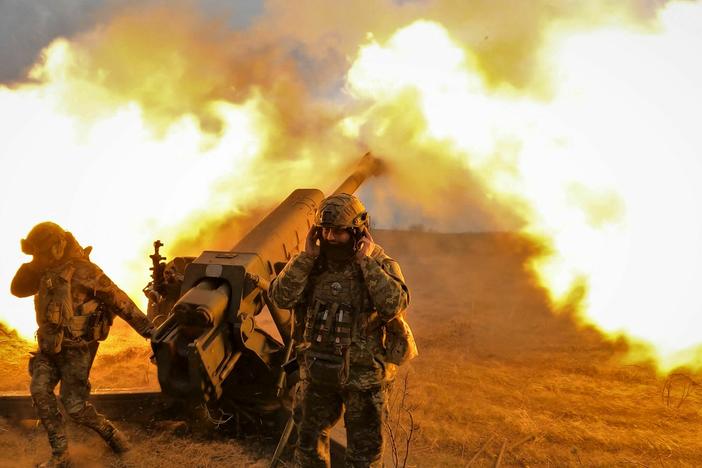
(365, 244)
(312, 241)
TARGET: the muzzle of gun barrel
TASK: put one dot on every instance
(203, 305)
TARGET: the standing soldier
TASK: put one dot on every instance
(75, 304)
(348, 298)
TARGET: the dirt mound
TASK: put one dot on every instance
(496, 367)
(475, 290)
(14, 353)
(122, 361)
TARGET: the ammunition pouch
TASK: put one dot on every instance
(50, 338)
(324, 369)
(329, 325)
(93, 323)
(54, 313)
(78, 325)
(100, 323)
(400, 346)
(54, 308)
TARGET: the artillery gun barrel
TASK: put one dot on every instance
(213, 329)
(282, 233)
(367, 167)
(204, 305)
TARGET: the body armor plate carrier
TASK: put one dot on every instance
(338, 297)
(60, 316)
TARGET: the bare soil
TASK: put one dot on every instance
(496, 369)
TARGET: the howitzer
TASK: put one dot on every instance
(210, 348)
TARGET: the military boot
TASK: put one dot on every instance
(118, 442)
(53, 424)
(57, 460)
(88, 417)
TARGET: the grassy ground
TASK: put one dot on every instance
(496, 368)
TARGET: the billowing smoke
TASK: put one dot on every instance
(296, 56)
(211, 112)
(27, 27)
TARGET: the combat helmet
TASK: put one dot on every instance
(342, 210)
(42, 237)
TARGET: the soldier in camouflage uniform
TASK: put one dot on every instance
(75, 304)
(348, 298)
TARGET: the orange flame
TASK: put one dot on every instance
(604, 172)
(128, 133)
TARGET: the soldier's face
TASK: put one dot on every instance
(335, 235)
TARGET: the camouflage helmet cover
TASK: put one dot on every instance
(342, 210)
(42, 237)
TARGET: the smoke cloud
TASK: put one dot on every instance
(296, 56)
(27, 27)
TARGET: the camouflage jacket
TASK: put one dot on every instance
(387, 297)
(90, 303)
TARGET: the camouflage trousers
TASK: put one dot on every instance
(318, 408)
(71, 366)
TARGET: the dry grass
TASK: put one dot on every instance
(495, 366)
(122, 361)
(26, 446)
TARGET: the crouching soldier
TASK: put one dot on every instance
(75, 305)
(349, 298)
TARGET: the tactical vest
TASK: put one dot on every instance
(339, 310)
(67, 312)
(337, 297)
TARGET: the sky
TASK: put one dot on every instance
(26, 27)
